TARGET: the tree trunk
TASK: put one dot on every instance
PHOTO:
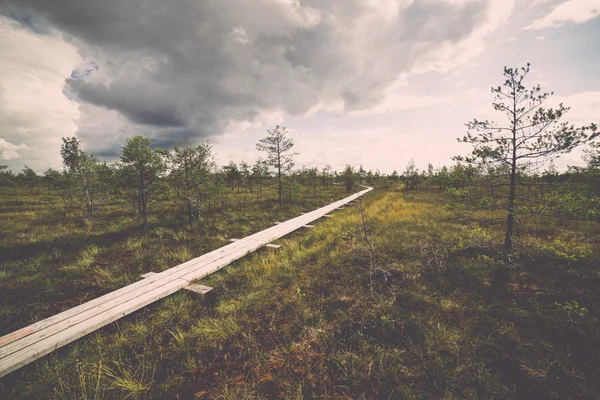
(90, 209)
(144, 217)
(510, 220)
(280, 184)
(190, 211)
(89, 203)
(143, 201)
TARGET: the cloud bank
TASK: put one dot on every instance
(577, 11)
(197, 69)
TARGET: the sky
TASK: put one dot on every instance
(360, 82)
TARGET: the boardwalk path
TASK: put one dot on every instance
(34, 341)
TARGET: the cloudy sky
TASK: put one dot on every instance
(371, 82)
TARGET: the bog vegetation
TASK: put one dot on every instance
(475, 280)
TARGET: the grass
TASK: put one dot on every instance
(319, 318)
(61, 263)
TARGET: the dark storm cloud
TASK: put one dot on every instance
(189, 68)
(140, 104)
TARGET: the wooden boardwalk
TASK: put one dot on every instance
(34, 341)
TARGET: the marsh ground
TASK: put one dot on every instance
(326, 316)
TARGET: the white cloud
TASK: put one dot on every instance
(34, 110)
(398, 101)
(8, 151)
(585, 107)
(577, 11)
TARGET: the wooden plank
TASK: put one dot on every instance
(53, 328)
(53, 324)
(233, 240)
(272, 246)
(198, 288)
(277, 222)
(122, 294)
(148, 275)
(73, 332)
(308, 226)
(36, 340)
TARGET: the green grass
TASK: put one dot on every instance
(322, 318)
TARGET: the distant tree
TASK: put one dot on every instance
(463, 175)
(106, 178)
(369, 177)
(411, 175)
(83, 171)
(29, 177)
(260, 171)
(362, 173)
(313, 177)
(532, 132)
(430, 175)
(6, 176)
(245, 171)
(146, 165)
(51, 179)
(279, 156)
(442, 177)
(233, 175)
(326, 176)
(349, 177)
(218, 186)
(63, 183)
(190, 170)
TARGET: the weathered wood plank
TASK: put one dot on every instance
(147, 275)
(273, 246)
(117, 293)
(121, 294)
(115, 301)
(72, 332)
(198, 288)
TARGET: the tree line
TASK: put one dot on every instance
(186, 173)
